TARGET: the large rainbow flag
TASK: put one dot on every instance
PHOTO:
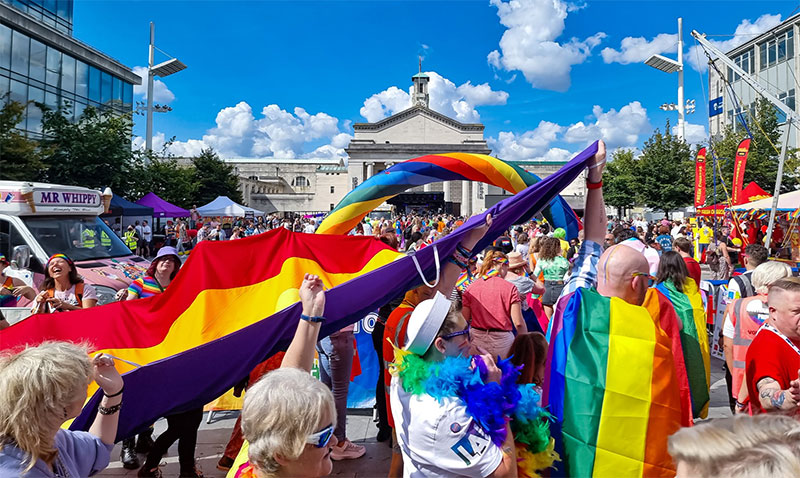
(436, 168)
(612, 387)
(694, 341)
(227, 309)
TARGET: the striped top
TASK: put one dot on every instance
(145, 286)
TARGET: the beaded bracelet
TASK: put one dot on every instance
(460, 257)
(109, 410)
(309, 318)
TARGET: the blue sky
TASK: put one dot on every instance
(288, 78)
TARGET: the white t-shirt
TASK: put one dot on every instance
(309, 228)
(69, 295)
(367, 229)
(440, 439)
(147, 233)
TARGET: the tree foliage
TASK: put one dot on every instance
(619, 181)
(762, 160)
(665, 172)
(21, 159)
(214, 178)
(159, 172)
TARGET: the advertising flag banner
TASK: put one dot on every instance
(738, 171)
(700, 178)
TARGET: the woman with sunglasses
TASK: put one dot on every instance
(288, 416)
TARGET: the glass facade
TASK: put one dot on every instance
(33, 71)
(54, 13)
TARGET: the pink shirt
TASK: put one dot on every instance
(490, 303)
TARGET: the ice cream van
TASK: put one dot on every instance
(38, 220)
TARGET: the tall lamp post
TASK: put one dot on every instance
(173, 65)
(668, 65)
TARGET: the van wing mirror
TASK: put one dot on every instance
(21, 257)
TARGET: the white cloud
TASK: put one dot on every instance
(529, 44)
(695, 133)
(745, 32)
(621, 128)
(276, 133)
(458, 102)
(638, 49)
(617, 128)
(161, 94)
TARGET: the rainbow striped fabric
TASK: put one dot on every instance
(793, 214)
(436, 168)
(235, 303)
(144, 287)
(688, 306)
(612, 386)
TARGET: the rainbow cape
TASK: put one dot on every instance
(235, 303)
(694, 340)
(611, 385)
(437, 168)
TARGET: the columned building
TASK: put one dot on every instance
(417, 131)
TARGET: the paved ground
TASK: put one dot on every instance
(361, 429)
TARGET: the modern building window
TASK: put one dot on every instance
(788, 99)
(105, 88)
(20, 50)
(300, 181)
(38, 60)
(332, 206)
(5, 47)
(53, 66)
(94, 84)
(68, 74)
(332, 187)
(82, 79)
(776, 50)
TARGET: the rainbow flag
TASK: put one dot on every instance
(611, 385)
(235, 303)
(437, 168)
(694, 340)
(791, 216)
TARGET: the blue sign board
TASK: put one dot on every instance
(715, 107)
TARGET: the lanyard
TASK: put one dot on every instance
(777, 332)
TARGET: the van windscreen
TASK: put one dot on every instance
(79, 237)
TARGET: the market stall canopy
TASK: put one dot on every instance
(786, 202)
(162, 208)
(224, 206)
(751, 192)
(122, 207)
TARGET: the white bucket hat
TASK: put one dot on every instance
(425, 322)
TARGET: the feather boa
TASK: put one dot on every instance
(491, 405)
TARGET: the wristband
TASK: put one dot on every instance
(455, 261)
(313, 319)
(596, 185)
(109, 410)
(463, 251)
(114, 395)
(460, 257)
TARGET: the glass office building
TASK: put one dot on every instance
(40, 61)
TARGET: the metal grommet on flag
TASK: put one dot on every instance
(413, 255)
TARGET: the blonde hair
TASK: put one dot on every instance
(766, 274)
(36, 385)
(488, 261)
(279, 413)
(741, 446)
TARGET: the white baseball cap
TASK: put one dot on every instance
(425, 322)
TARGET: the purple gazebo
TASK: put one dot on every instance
(162, 208)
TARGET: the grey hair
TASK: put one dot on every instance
(768, 273)
(740, 446)
(279, 413)
(36, 385)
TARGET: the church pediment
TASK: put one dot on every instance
(418, 112)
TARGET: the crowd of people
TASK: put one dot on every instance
(489, 308)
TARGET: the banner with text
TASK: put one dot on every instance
(700, 178)
(738, 171)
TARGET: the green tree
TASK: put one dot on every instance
(21, 159)
(762, 160)
(94, 151)
(665, 172)
(159, 172)
(619, 181)
(214, 178)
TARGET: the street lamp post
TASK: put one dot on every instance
(173, 65)
(668, 65)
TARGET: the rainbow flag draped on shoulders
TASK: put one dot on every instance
(611, 385)
(694, 341)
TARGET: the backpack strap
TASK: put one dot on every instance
(79, 293)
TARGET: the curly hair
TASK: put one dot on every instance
(36, 386)
(549, 248)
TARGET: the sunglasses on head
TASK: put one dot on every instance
(456, 334)
(321, 438)
(643, 274)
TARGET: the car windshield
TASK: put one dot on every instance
(79, 237)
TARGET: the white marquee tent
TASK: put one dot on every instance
(224, 206)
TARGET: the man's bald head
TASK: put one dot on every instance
(616, 274)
